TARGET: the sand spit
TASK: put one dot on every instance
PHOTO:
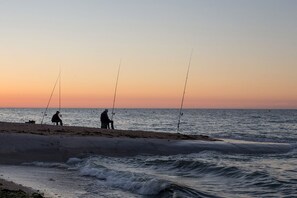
(38, 129)
(21, 142)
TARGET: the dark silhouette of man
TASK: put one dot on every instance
(56, 118)
(105, 120)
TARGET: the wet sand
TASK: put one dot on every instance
(12, 190)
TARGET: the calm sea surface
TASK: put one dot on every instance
(204, 174)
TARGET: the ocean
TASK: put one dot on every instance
(204, 174)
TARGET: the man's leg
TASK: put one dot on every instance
(111, 124)
(103, 126)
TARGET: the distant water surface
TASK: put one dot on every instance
(255, 125)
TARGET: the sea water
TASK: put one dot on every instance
(204, 174)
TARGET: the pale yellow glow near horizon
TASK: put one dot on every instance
(245, 54)
(153, 87)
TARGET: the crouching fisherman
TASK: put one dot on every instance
(105, 120)
(56, 118)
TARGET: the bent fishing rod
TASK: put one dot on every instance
(58, 80)
(115, 90)
(185, 86)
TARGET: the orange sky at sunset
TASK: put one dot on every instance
(245, 53)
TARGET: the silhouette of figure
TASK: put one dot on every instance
(105, 120)
(56, 118)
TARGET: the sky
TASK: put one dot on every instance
(244, 53)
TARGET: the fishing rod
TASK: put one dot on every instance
(60, 74)
(185, 86)
(58, 79)
(115, 91)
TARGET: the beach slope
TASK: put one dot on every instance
(34, 142)
(21, 143)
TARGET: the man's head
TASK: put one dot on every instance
(57, 112)
(106, 110)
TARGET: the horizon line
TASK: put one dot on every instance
(175, 108)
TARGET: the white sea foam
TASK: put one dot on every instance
(139, 183)
(74, 160)
(46, 164)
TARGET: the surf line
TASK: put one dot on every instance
(115, 92)
(50, 98)
(183, 96)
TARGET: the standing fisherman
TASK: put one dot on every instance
(56, 118)
(105, 120)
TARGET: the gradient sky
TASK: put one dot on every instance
(245, 53)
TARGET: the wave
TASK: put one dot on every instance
(189, 175)
(46, 164)
(196, 166)
(138, 182)
(190, 168)
(144, 175)
(275, 138)
(182, 191)
(288, 121)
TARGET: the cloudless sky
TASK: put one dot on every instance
(245, 53)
